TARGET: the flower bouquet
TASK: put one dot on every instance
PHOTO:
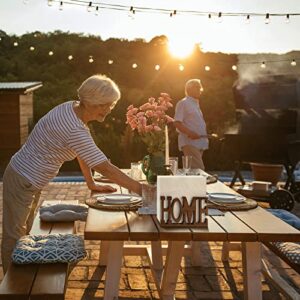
(149, 120)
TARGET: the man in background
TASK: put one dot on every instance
(190, 124)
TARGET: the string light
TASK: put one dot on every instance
(61, 5)
(31, 48)
(293, 63)
(263, 65)
(267, 19)
(91, 59)
(171, 13)
(157, 67)
(16, 44)
(97, 11)
(287, 19)
(220, 19)
(51, 53)
(70, 57)
(134, 66)
(234, 67)
(207, 68)
(181, 67)
(248, 19)
(89, 8)
(110, 61)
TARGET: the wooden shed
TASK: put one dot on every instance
(16, 113)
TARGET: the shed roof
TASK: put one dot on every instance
(21, 87)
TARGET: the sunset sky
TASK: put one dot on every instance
(232, 35)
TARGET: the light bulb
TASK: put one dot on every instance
(209, 16)
(51, 53)
(0, 38)
(234, 67)
(181, 67)
(263, 65)
(61, 5)
(287, 19)
(31, 48)
(134, 66)
(293, 63)
(207, 68)
(157, 67)
(220, 19)
(267, 19)
(89, 8)
(96, 11)
(16, 44)
(70, 57)
(110, 61)
(50, 2)
(91, 60)
(248, 19)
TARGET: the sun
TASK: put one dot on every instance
(180, 47)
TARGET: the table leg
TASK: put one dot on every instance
(251, 256)
(157, 257)
(170, 275)
(113, 270)
(104, 248)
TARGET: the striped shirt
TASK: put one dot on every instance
(58, 137)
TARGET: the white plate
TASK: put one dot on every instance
(115, 199)
(226, 198)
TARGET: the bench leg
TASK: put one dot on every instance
(171, 270)
(157, 257)
(113, 270)
(251, 257)
(104, 248)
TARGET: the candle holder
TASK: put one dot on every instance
(167, 170)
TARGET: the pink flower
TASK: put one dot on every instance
(145, 106)
(156, 128)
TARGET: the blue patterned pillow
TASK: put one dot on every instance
(49, 248)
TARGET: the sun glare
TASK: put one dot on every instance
(180, 48)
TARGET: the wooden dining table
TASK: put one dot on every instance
(115, 228)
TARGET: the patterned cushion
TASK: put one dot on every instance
(289, 250)
(50, 248)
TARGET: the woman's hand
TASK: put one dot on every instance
(96, 187)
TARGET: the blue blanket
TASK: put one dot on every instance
(286, 216)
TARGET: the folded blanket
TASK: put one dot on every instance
(63, 212)
(51, 248)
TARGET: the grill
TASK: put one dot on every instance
(268, 125)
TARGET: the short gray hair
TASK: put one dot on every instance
(98, 89)
(191, 85)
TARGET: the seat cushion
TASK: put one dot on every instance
(290, 250)
(51, 248)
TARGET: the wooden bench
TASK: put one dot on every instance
(38, 281)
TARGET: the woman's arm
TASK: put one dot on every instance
(116, 175)
(92, 185)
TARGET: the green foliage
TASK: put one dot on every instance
(61, 78)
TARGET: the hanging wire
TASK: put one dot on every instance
(172, 12)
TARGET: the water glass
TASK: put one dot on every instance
(187, 163)
(173, 162)
(149, 199)
(135, 171)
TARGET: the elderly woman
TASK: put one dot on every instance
(61, 135)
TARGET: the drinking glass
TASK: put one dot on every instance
(149, 199)
(173, 162)
(187, 163)
(135, 171)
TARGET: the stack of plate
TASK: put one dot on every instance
(226, 198)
